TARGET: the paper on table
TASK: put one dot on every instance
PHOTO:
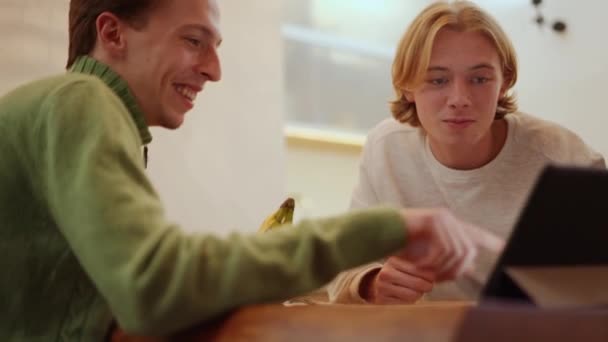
(563, 286)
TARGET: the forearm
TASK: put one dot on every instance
(169, 281)
(158, 280)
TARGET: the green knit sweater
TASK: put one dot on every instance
(84, 239)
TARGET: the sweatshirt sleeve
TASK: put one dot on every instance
(345, 287)
(156, 278)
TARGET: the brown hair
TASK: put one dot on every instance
(83, 17)
(414, 53)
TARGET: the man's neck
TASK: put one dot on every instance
(469, 157)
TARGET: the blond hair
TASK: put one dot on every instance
(414, 53)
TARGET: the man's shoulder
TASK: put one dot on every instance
(531, 123)
(540, 132)
(76, 84)
(389, 130)
(550, 139)
(64, 100)
(41, 90)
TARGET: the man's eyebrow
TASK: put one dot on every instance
(482, 66)
(206, 31)
(436, 68)
(475, 67)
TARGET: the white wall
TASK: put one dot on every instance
(33, 38)
(224, 169)
(562, 78)
(321, 178)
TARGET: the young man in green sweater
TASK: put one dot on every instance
(82, 232)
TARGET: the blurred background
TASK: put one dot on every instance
(304, 80)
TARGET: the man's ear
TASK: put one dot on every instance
(409, 96)
(110, 34)
(504, 87)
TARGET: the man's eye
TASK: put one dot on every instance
(438, 81)
(480, 80)
(193, 41)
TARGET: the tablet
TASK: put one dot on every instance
(563, 224)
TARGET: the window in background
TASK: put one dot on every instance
(338, 56)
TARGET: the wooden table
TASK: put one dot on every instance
(423, 322)
(508, 322)
(432, 322)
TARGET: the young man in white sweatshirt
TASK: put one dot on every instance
(455, 140)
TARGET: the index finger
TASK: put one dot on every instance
(485, 239)
(404, 266)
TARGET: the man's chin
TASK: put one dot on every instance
(174, 121)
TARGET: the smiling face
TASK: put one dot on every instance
(167, 60)
(457, 100)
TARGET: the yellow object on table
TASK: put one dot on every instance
(282, 216)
